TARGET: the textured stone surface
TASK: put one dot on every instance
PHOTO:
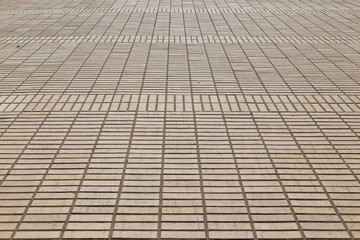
(179, 119)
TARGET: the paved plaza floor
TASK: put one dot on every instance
(179, 119)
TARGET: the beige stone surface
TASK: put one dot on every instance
(191, 119)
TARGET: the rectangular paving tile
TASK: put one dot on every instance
(146, 119)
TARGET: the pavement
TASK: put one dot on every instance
(179, 119)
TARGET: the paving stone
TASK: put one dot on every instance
(179, 119)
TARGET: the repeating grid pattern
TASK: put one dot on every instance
(180, 10)
(179, 39)
(169, 119)
(180, 103)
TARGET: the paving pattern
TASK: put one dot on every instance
(180, 119)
